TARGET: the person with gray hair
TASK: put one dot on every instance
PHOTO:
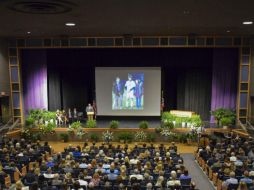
(231, 180)
(149, 186)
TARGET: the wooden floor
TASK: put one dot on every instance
(182, 148)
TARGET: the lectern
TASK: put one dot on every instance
(90, 115)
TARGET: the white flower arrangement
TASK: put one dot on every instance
(166, 132)
(140, 135)
(80, 132)
(107, 136)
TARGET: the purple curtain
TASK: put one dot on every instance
(34, 75)
(224, 79)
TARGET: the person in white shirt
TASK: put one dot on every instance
(130, 87)
(134, 160)
(137, 175)
(173, 181)
(81, 181)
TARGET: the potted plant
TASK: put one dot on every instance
(114, 124)
(94, 137)
(75, 125)
(226, 122)
(196, 121)
(182, 138)
(168, 117)
(223, 113)
(125, 137)
(64, 137)
(168, 125)
(158, 129)
(107, 136)
(166, 133)
(91, 124)
(140, 136)
(143, 125)
(150, 137)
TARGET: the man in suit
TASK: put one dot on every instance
(117, 94)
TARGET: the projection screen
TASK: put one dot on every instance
(128, 91)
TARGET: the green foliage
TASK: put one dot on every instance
(126, 136)
(38, 114)
(196, 120)
(168, 120)
(64, 137)
(168, 125)
(114, 124)
(182, 137)
(226, 121)
(158, 129)
(167, 117)
(143, 125)
(150, 137)
(94, 137)
(76, 125)
(224, 113)
(30, 121)
(91, 124)
(49, 128)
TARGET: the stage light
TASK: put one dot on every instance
(247, 22)
(70, 24)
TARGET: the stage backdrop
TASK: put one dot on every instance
(196, 79)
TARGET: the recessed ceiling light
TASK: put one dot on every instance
(247, 22)
(28, 32)
(186, 12)
(70, 24)
(228, 31)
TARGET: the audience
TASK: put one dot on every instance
(93, 167)
(233, 159)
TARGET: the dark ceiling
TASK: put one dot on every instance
(120, 17)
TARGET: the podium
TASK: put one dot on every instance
(90, 115)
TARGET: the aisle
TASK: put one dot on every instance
(198, 176)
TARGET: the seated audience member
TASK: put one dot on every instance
(243, 186)
(246, 178)
(96, 179)
(19, 186)
(76, 186)
(137, 175)
(112, 175)
(49, 174)
(56, 181)
(30, 177)
(231, 180)
(149, 186)
(82, 181)
(173, 181)
(185, 175)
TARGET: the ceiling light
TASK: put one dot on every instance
(186, 12)
(228, 31)
(70, 24)
(28, 32)
(247, 22)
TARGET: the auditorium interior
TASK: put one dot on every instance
(126, 95)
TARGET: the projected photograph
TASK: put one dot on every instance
(128, 92)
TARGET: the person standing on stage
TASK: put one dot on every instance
(130, 87)
(90, 112)
(69, 115)
(75, 114)
(138, 93)
(94, 108)
(118, 94)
